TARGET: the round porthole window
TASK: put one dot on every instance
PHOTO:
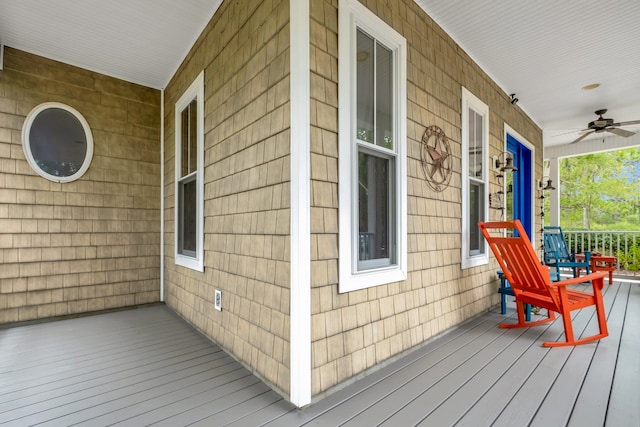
(57, 142)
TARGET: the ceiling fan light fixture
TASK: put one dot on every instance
(592, 86)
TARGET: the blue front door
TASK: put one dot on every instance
(519, 195)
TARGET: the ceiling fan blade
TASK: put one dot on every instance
(580, 138)
(632, 122)
(620, 132)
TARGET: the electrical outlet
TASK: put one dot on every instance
(217, 300)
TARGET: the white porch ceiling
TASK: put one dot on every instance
(141, 41)
(543, 51)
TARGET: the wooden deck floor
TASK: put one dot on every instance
(147, 366)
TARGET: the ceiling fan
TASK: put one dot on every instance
(602, 124)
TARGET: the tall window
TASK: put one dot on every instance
(189, 128)
(372, 149)
(475, 158)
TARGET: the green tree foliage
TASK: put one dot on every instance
(601, 191)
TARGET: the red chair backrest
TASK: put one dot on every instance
(517, 258)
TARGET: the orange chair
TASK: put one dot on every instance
(532, 284)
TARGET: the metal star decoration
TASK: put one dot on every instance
(436, 159)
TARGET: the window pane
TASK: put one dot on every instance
(384, 97)
(187, 216)
(57, 142)
(375, 213)
(475, 144)
(189, 120)
(365, 87)
(476, 214)
(184, 139)
(193, 136)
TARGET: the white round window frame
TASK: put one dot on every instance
(26, 142)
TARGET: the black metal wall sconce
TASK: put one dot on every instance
(545, 183)
(503, 162)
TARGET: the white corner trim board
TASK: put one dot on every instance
(300, 303)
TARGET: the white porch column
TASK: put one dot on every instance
(300, 280)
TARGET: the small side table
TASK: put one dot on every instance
(600, 263)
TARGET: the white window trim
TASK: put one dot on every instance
(195, 91)
(469, 100)
(352, 15)
(26, 141)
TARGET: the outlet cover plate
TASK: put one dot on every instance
(217, 301)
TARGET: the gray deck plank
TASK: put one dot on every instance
(105, 323)
(573, 374)
(73, 349)
(114, 382)
(55, 397)
(236, 412)
(624, 403)
(450, 411)
(78, 348)
(264, 415)
(85, 367)
(425, 402)
(489, 404)
(72, 359)
(417, 377)
(525, 402)
(113, 395)
(130, 406)
(131, 368)
(400, 398)
(500, 396)
(218, 399)
(87, 334)
(59, 385)
(360, 396)
(590, 407)
(565, 387)
(457, 380)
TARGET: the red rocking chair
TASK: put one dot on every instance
(532, 284)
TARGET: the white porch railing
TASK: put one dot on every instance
(625, 245)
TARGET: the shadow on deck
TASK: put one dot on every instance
(147, 366)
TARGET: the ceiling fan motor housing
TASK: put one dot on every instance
(600, 123)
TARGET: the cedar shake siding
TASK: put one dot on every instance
(94, 243)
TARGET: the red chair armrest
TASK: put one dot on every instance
(593, 277)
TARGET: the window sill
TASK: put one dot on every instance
(188, 262)
(475, 261)
(368, 279)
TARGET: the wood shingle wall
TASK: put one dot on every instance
(90, 244)
(244, 52)
(355, 331)
(94, 243)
